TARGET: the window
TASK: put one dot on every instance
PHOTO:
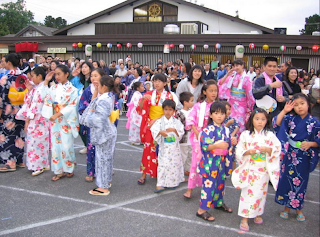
(155, 11)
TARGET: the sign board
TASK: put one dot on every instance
(4, 50)
(57, 50)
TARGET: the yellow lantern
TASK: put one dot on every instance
(79, 45)
(98, 45)
(265, 47)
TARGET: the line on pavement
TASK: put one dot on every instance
(125, 143)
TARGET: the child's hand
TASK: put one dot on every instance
(147, 97)
(230, 122)
(234, 141)
(163, 133)
(171, 130)
(305, 145)
(197, 134)
(288, 107)
(223, 145)
(264, 149)
(152, 122)
(49, 77)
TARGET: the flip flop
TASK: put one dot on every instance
(58, 176)
(206, 215)
(301, 217)
(21, 165)
(97, 192)
(7, 168)
(159, 190)
(171, 188)
(141, 181)
(224, 208)
(89, 178)
(70, 175)
(258, 222)
(284, 215)
(243, 228)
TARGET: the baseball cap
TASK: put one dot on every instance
(31, 60)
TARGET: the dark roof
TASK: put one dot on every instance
(64, 30)
(46, 31)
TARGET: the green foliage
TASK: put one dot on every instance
(14, 17)
(55, 22)
(312, 24)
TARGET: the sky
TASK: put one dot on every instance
(288, 14)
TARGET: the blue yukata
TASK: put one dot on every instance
(85, 100)
(296, 164)
(214, 166)
(232, 127)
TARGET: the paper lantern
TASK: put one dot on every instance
(98, 45)
(129, 45)
(140, 45)
(265, 47)
(171, 46)
(119, 45)
(251, 46)
(205, 46)
(193, 46)
(181, 47)
(299, 47)
(88, 50)
(79, 45)
(166, 48)
(283, 48)
(109, 46)
(74, 45)
(217, 46)
(239, 51)
(315, 48)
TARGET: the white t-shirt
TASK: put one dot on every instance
(192, 89)
(251, 75)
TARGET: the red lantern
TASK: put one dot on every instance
(171, 46)
(74, 45)
(129, 45)
(315, 48)
(251, 45)
(119, 45)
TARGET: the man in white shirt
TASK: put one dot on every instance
(251, 73)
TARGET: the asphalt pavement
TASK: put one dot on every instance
(36, 206)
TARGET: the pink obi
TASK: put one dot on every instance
(220, 152)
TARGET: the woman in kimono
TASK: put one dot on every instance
(60, 106)
(238, 88)
(36, 126)
(11, 129)
(87, 96)
(103, 134)
(215, 163)
(258, 155)
(299, 135)
(196, 121)
(134, 119)
(150, 108)
(167, 132)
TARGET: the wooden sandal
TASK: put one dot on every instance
(58, 176)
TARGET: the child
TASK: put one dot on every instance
(258, 154)
(167, 131)
(90, 93)
(215, 145)
(60, 106)
(196, 121)
(36, 126)
(134, 118)
(186, 99)
(103, 134)
(299, 136)
(229, 122)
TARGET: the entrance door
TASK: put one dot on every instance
(300, 63)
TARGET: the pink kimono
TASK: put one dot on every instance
(195, 180)
(238, 89)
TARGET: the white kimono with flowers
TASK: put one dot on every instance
(253, 174)
(170, 165)
(135, 118)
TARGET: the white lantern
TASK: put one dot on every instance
(205, 46)
(88, 50)
(140, 45)
(181, 47)
(239, 51)
(299, 47)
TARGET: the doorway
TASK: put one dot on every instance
(300, 63)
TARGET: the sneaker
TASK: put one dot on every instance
(83, 151)
(37, 172)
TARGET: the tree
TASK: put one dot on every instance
(14, 17)
(55, 22)
(312, 24)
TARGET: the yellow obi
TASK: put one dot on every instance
(259, 157)
(16, 97)
(155, 112)
(114, 116)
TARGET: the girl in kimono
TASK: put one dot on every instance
(215, 162)
(134, 119)
(150, 108)
(238, 88)
(60, 106)
(36, 126)
(87, 96)
(167, 132)
(196, 121)
(258, 155)
(300, 138)
(103, 134)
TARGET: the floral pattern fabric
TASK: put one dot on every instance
(135, 118)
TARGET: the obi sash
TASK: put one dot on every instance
(295, 144)
(220, 152)
(259, 157)
(57, 107)
(114, 116)
(155, 112)
(237, 92)
(16, 97)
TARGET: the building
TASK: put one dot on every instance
(135, 21)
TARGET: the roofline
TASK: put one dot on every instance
(205, 9)
(31, 26)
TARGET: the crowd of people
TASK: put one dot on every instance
(198, 123)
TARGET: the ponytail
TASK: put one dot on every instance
(109, 82)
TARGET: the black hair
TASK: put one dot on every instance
(77, 59)
(39, 71)
(249, 124)
(82, 77)
(226, 103)
(98, 63)
(13, 58)
(302, 96)
(136, 85)
(188, 67)
(169, 103)
(238, 62)
(108, 81)
(64, 69)
(208, 83)
(163, 78)
(139, 71)
(55, 62)
(196, 67)
(185, 97)
(100, 71)
(49, 56)
(288, 71)
(216, 107)
(270, 59)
